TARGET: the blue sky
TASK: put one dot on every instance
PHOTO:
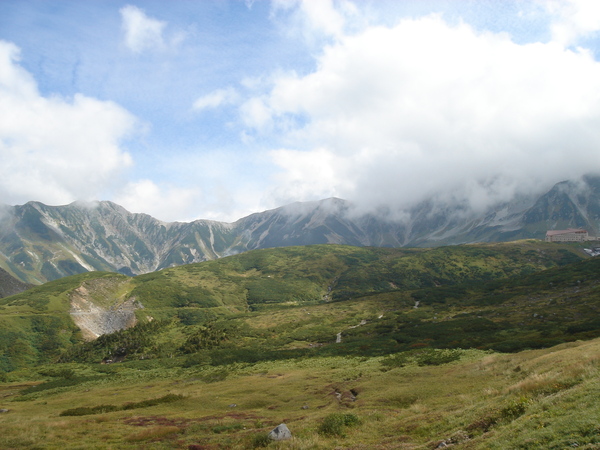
(217, 109)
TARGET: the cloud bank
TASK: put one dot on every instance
(249, 107)
(391, 116)
(148, 197)
(53, 149)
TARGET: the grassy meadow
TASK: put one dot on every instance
(537, 399)
(491, 346)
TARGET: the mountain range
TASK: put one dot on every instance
(39, 243)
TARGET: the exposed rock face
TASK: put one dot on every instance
(9, 285)
(95, 320)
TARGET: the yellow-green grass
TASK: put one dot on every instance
(533, 399)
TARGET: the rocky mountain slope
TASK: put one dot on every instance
(9, 285)
(98, 307)
(40, 243)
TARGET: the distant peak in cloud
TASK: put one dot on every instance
(141, 32)
(393, 115)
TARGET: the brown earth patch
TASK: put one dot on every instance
(145, 421)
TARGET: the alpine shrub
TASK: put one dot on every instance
(335, 424)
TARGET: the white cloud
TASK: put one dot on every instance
(573, 19)
(312, 18)
(215, 185)
(141, 32)
(52, 149)
(216, 98)
(307, 175)
(219, 201)
(163, 202)
(323, 17)
(256, 114)
(392, 115)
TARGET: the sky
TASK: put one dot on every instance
(216, 109)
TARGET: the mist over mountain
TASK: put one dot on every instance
(40, 243)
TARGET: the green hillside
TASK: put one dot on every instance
(351, 347)
(320, 273)
(341, 283)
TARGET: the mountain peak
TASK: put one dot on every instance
(40, 242)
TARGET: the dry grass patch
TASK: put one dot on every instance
(21, 436)
(407, 407)
(544, 384)
(154, 433)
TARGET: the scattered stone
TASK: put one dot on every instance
(348, 396)
(233, 405)
(280, 433)
(4, 410)
(305, 407)
(457, 438)
(345, 396)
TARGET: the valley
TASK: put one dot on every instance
(476, 346)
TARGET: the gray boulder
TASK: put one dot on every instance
(280, 433)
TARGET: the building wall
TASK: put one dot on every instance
(568, 237)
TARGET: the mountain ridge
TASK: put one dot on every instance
(39, 243)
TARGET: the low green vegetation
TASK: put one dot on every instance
(482, 346)
(536, 399)
(292, 302)
(335, 424)
(422, 357)
(85, 411)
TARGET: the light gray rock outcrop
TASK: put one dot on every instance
(280, 433)
(95, 320)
